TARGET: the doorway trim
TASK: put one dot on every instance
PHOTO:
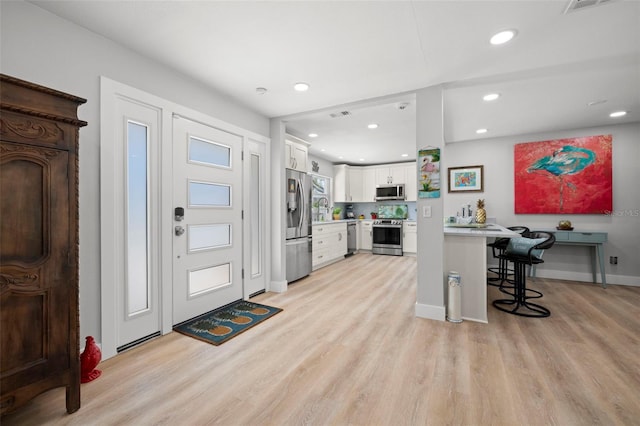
(112, 197)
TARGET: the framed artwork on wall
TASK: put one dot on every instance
(429, 174)
(466, 179)
(564, 176)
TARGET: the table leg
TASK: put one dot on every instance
(600, 251)
(595, 258)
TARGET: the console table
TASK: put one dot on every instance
(592, 239)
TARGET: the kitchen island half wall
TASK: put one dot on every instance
(465, 252)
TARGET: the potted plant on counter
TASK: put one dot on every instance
(336, 213)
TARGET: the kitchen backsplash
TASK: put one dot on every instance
(392, 211)
(408, 209)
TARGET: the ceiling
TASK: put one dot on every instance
(367, 57)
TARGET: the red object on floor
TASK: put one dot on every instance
(89, 360)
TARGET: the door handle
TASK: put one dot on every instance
(303, 208)
(179, 230)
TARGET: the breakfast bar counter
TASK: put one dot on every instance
(465, 252)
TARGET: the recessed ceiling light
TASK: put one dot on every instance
(362, 159)
(481, 131)
(313, 135)
(373, 126)
(491, 97)
(340, 157)
(261, 90)
(503, 37)
(301, 87)
(618, 114)
(404, 155)
(322, 150)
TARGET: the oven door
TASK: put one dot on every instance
(387, 239)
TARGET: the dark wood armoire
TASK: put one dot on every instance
(39, 336)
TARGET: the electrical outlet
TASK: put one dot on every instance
(613, 260)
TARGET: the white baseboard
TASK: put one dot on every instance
(278, 286)
(584, 276)
(587, 277)
(431, 312)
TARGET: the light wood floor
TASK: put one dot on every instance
(347, 349)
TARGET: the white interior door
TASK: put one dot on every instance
(255, 207)
(207, 243)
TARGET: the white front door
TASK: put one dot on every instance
(207, 243)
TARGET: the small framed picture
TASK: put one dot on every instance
(466, 179)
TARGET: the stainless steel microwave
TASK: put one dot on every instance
(390, 192)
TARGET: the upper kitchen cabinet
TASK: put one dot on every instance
(341, 184)
(411, 184)
(350, 185)
(368, 184)
(296, 154)
(354, 184)
(391, 174)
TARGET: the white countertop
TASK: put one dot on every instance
(492, 230)
(329, 222)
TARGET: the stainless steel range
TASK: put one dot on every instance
(387, 237)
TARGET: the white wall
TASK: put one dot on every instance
(431, 278)
(568, 262)
(326, 166)
(37, 46)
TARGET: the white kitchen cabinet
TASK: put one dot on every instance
(341, 184)
(391, 174)
(365, 234)
(410, 237)
(296, 154)
(368, 184)
(329, 243)
(411, 184)
(356, 185)
(347, 184)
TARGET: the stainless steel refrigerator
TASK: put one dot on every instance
(298, 242)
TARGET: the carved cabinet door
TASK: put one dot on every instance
(35, 277)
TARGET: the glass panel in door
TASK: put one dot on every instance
(137, 264)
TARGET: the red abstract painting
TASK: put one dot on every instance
(564, 176)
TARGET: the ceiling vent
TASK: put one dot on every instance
(339, 114)
(575, 5)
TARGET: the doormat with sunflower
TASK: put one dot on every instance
(216, 327)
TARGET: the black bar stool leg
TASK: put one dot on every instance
(519, 304)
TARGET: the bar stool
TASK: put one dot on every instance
(498, 247)
(523, 251)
